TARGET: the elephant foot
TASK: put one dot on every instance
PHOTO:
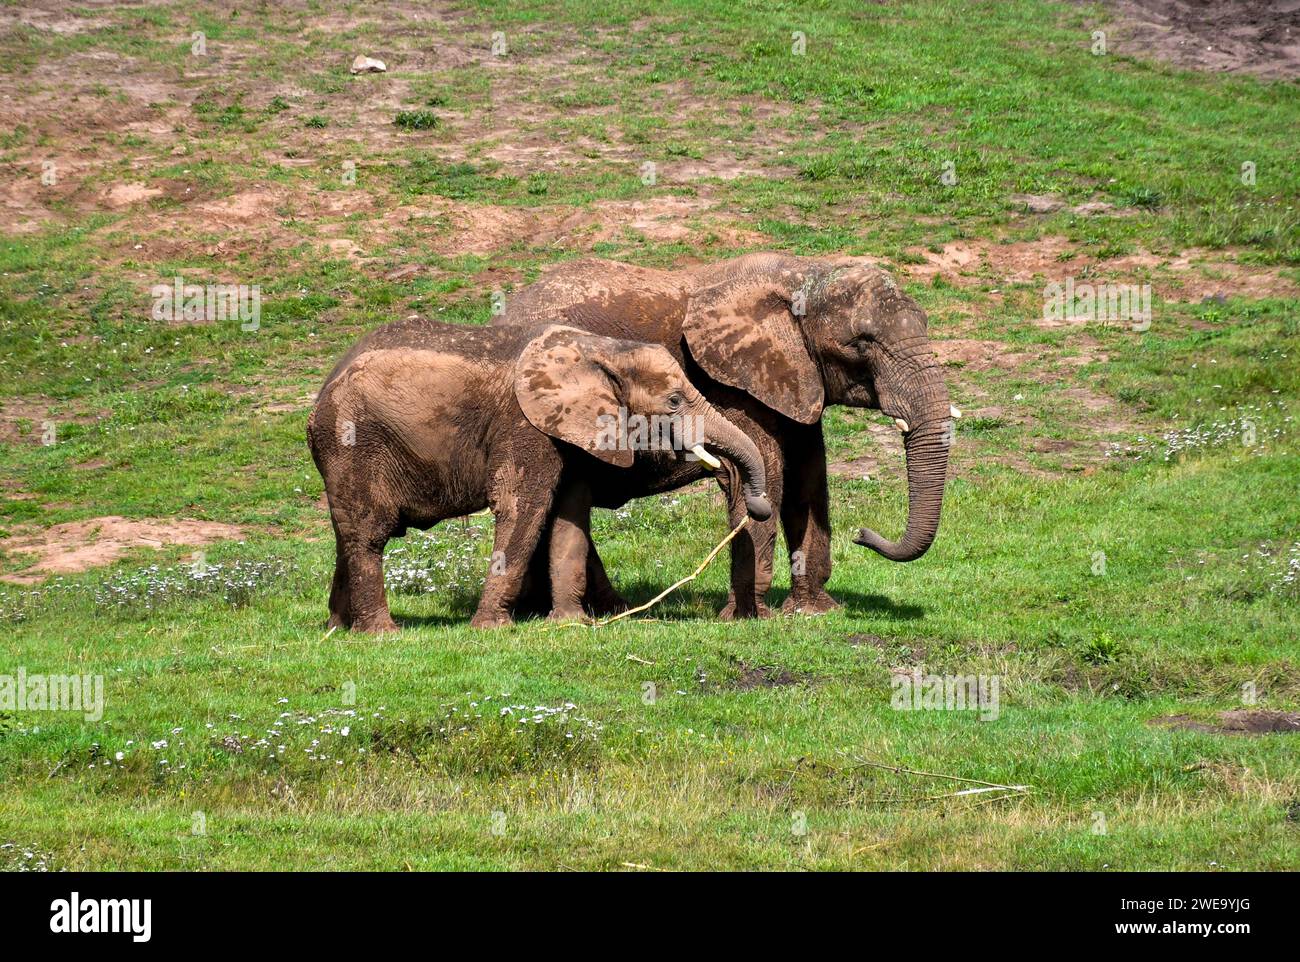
(567, 614)
(338, 621)
(732, 612)
(491, 619)
(375, 624)
(809, 603)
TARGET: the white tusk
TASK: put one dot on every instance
(952, 409)
(902, 425)
(706, 457)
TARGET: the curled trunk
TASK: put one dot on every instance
(926, 445)
(723, 437)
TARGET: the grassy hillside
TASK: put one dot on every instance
(1120, 541)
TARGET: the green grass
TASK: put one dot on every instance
(1103, 590)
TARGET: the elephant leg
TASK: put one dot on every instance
(520, 520)
(535, 595)
(568, 551)
(805, 518)
(340, 598)
(601, 597)
(752, 551)
(362, 547)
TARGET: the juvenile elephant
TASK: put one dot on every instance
(771, 340)
(422, 421)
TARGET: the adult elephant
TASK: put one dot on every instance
(770, 340)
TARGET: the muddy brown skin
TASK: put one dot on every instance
(422, 421)
(771, 340)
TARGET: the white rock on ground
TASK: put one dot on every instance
(368, 65)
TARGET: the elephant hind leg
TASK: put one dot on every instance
(602, 598)
(365, 562)
(357, 595)
(340, 596)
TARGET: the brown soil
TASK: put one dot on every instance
(30, 414)
(1241, 721)
(752, 677)
(513, 123)
(78, 545)
(1260, 37)
(1192, 275)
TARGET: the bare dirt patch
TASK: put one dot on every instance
(79, 545)
(886, 456)
(979, 355)
(1190, 276)
(25, 419)
(1259, 37)
(484, 229)
(124, 195)
(752, 677)
(1241, 721)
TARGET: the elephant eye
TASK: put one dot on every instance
(675, 401)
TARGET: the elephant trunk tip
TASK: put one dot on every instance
(760, 509)
(892, 550)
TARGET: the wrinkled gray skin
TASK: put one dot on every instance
(771, 340)
(422, 421)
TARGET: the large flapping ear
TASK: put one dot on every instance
(744, 333)
(565, 391)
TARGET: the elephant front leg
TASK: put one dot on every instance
(805, 518)
(519, 525)
(570, 542)
(752, 551)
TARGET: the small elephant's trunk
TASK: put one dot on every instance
(732, 443)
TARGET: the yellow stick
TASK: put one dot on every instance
(669, 590)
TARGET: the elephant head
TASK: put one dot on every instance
(613, 397)
(799, 334)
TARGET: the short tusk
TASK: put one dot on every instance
(952, 409)
(902, 425)
(706, 457)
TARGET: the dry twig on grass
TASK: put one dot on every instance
(982, 788)
(671, 588)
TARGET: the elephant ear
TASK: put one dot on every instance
(743, 332)
(565, 391)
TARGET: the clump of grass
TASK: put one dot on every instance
(235, 582)
(1145, 198)
(298, 744)
(1271, 568)
(485, 740)
(144, 589)
(316, 121)
(448, 559)
(1247, 429)
(19, 857)
(981, 425)
(416, 120)
(459, 181)
(1101, 650)
(229, 115)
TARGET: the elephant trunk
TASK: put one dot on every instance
(926, 442)
(728, 440)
